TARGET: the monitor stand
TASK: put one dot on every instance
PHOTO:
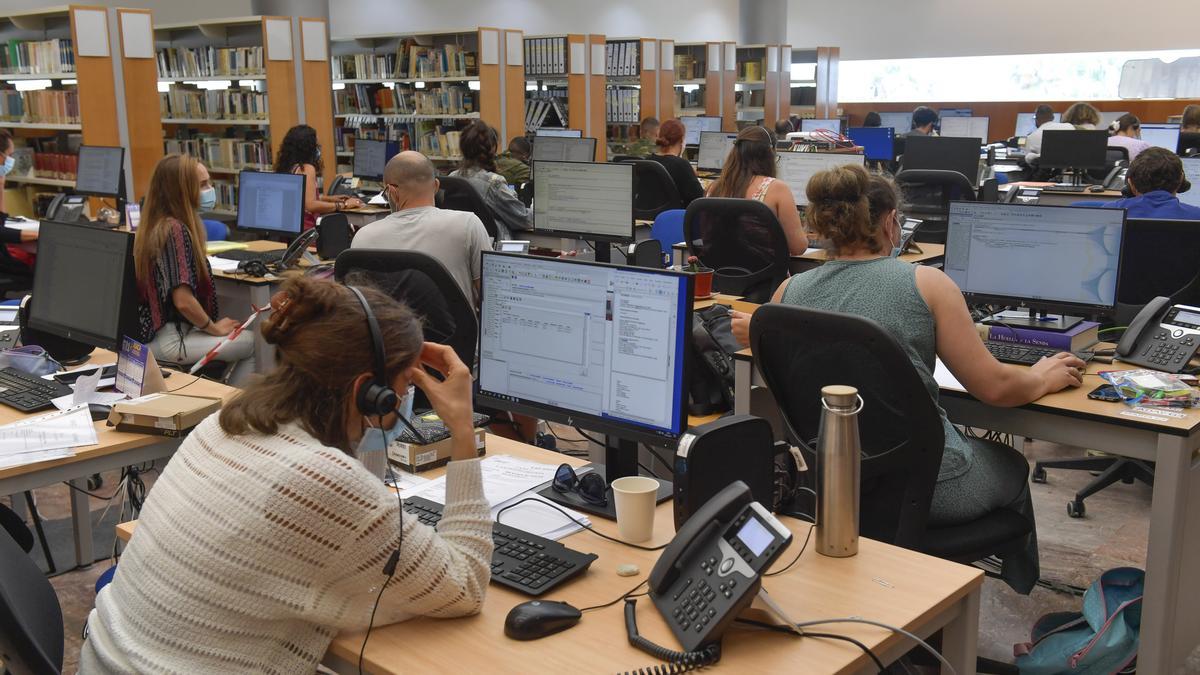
(603, 251)
(1054, 323)
(620, 460)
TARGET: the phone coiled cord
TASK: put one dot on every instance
(676, 662)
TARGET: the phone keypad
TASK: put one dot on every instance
(1168, 351)
(695, 609)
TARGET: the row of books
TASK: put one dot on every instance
(365, 99)
(751, 71)
(452, 100)
(226, 194)
(378, 99)
(443, 61)
(233, 154)
(364, 66)
(623, 105)
(621, 58)
(546, 110)
(425, 136)
(37, 57)
(689, 99)
(189, 102)
(754, 97)
(688, 67)
(32, 162)
(45, 106)
(441, 141)
(210, 61)
(546, 56)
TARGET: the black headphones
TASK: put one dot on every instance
(376, 397)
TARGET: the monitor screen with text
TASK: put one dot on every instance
(591, 201)
(271, 202)
(563, 149)
(1191, 169)
(1042, 256)
(693, 125)
(795, 168)
(600, 345)
(965, 127)
(371, 156)
(1027, 123)
(714, 148)
(1161, 135)
(900, 121)
(99, 171)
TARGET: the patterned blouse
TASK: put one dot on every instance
(174, 267)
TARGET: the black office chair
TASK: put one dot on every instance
(742, 241)
(625, 158)
(457, 194)
(423, 284)
(1114, 157)
(654, 190)
(927, 196)
(647, 253)
(333, 235)
(31, 623)
(1189, 144)
(798, 351)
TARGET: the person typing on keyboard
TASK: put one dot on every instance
(265, 536)
(178, 314)
(925, 311)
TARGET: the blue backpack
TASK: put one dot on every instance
(1103, 639)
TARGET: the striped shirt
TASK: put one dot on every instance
(175, 266)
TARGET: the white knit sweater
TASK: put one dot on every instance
(253, 551)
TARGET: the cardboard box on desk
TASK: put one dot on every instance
(162, 414)
(417, 457)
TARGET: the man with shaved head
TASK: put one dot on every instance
(454, 238)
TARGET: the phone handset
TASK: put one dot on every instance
(1152, 312)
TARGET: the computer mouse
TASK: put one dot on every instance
(539, 618)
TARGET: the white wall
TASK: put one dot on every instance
(880, 29)
(165, 11)
(682, 20)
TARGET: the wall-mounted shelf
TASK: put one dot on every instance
(215, 78)
(36, 180)
(13, 77)
(216, 123)
(42, 125)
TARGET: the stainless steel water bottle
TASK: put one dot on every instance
(838, 465)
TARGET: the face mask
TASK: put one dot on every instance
(900, 238)
(9, 162)
(208, 198)
(375, 438)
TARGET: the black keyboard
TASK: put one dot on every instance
(28, 393)
(522, 561)
(1024, 355)
(1067, 188)
(261, 256)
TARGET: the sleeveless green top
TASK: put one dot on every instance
(885, 290)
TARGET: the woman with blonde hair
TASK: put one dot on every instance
(749, 173)
(178, 314)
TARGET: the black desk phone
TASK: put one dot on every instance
(712, 570)
(1162, 336)
(66, 208)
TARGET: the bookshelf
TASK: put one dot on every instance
(43, 79)
(629, 93)
(812, 75)
(549, 65)
(227, 91)
(422, 89)
(751, 84)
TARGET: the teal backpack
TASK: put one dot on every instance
(1101, 640)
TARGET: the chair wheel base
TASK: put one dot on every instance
(1076, 509)
(1038, 475)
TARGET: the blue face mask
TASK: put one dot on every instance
(208, 198)
(375, 438)
(7, 168)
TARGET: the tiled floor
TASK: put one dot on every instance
(1072, 551)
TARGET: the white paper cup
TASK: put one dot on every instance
(634, 498)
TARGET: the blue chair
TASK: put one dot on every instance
(215, 230)
(668, 230)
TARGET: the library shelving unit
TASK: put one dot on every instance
(43, 78)
(549, 66)
(422, 89)
(227, 91)
(753, 85)
(702, 86)
(810, 78)
(639, 83)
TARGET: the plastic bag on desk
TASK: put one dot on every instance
(1152, 388)
(30, 359)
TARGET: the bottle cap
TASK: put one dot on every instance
(840, 395)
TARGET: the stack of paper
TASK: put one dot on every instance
(222, 264)
(507, 480)
(46, 437)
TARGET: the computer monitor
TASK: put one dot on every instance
(1047, 258)
(694, 125)
(1027, 123)
(101, 170)
(598, 346)
(371, 156)
(84, 287)
(954, 112)
(966, 127)
(813, 125)
(563, 149)
(1107, 118)
(1191, 169)
(795, 168)
(272, 203)
(900, 121)
(557, 132)
(1074, 149)
(1158, 258)
(878, 143)
(585, 200)
(714, 149)
(1161, 135)
(940, 152)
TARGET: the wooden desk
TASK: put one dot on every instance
(115, 450)
(884, 583)
(237, 292)
(930, 254)
(1170, 617)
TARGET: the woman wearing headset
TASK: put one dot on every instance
(749, 173)
(264, 537)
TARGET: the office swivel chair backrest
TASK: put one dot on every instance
(1158, 257)
(457, 194)
(423, 284)
(798, 351)
(927, 196)
(654, 191)
(742, 241)
(333, 235)
(1189, 143)
(31, 624)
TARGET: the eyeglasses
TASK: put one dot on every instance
(591, 488)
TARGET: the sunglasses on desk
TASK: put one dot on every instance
(590, 487)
